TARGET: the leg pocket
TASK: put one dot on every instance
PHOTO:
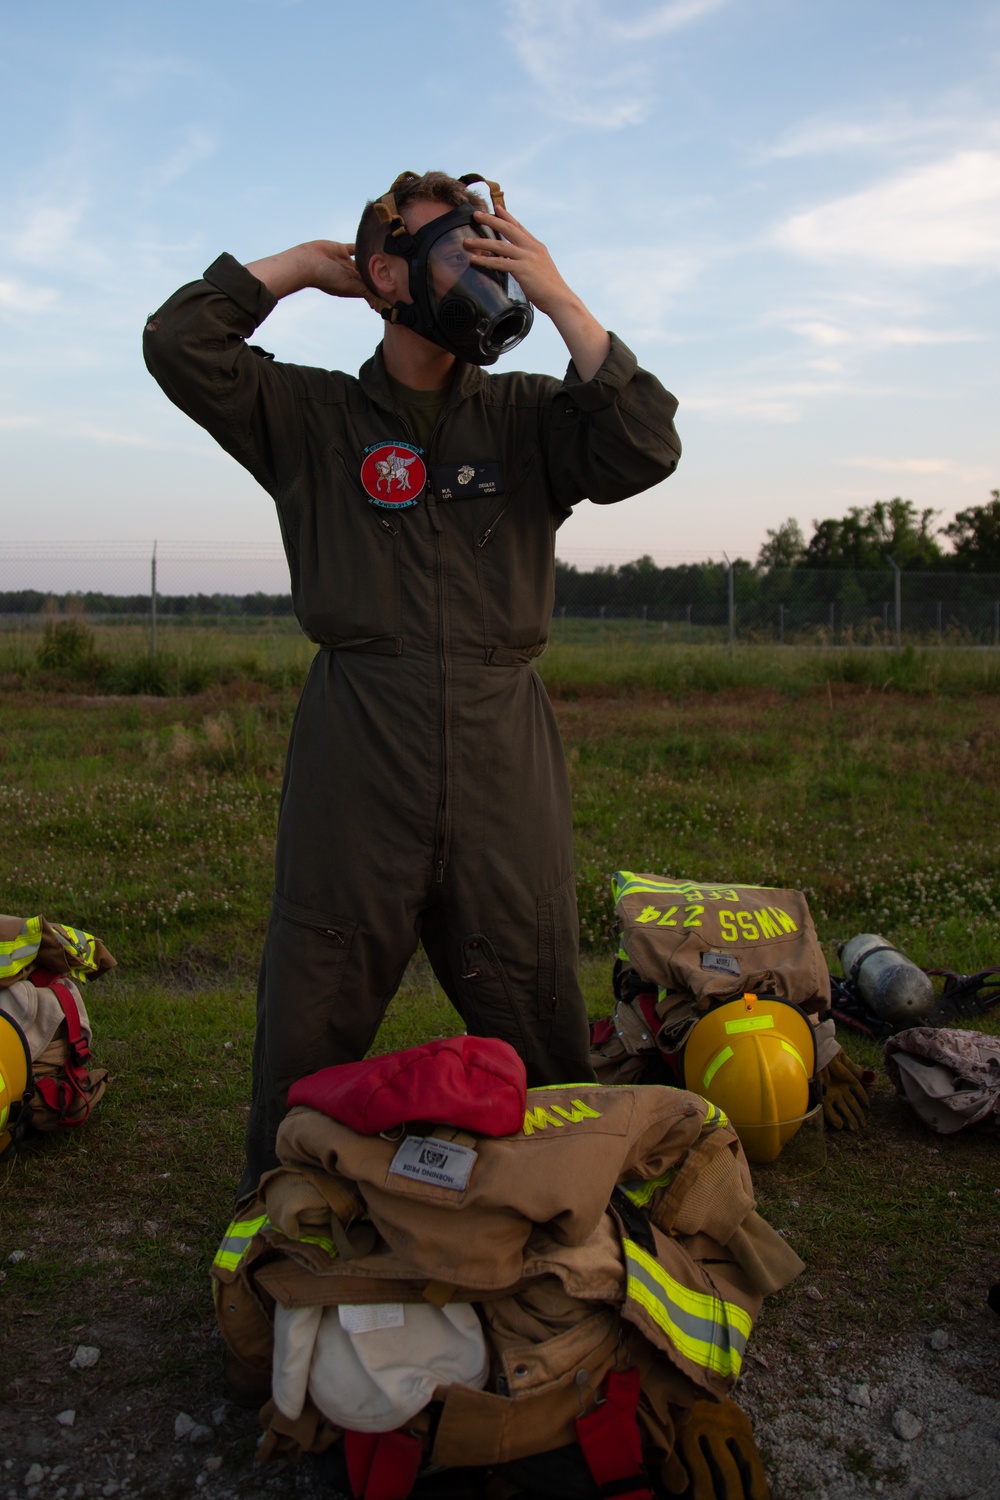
(558, 948)
(485, 998)
(306, 958)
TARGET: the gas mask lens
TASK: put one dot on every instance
(478, 313)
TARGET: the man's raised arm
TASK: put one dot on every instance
(323, 264)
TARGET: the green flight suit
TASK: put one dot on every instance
(425, 795)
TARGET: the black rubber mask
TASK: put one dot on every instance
(473, 313)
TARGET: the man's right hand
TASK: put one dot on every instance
(324, 264)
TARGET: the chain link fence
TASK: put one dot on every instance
(244, 586)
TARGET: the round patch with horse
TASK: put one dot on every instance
(393, 475)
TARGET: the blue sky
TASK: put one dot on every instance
(789, 208)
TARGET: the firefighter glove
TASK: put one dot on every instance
(845, 1096)
(715, 1457)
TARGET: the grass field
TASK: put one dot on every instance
(149, 820)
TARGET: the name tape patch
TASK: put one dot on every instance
(367, 1317)
(440, 1163)
(728, 963)
(467, 481)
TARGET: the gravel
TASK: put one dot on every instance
(922, 1422)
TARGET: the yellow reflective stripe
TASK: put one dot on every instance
(714, 1115)
(626, 883)
(750, 1023)
(715, 1065)
(16, 953)
(703, 1327)
(797, 1055)
(321, 1241)
(641, 1191)
(544, 1087)
(236, 1242)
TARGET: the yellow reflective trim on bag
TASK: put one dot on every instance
(640, 1190)
(236, 1242)
(703, 1327)
(17, 953)
(321, 1241)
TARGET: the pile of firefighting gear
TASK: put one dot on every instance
(723, 989)
(449, 1270)
(47, 1077)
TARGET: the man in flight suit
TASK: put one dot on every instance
(425, 795)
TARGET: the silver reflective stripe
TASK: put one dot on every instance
(702, 1326)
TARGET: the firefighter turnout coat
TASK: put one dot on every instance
(425, 794)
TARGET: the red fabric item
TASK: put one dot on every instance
(394, 1468)
(647, 1004)
(477, 1083)
(359, 1451)
(59, 1093)
(382, 1465)
(610, 1439)
(601, 1032)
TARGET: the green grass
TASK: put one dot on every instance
(150, 821)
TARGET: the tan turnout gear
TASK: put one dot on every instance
(616, 1229)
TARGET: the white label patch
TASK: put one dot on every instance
(368, 1316)
(440, 1163)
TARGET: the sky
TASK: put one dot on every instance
(789, 209)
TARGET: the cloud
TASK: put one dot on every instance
(946, 214)
(895, 129)
(873, 335)
(196, 147)
(913, 466)
(591, 62)
(13, 423)
(739, 406)
(17, 297)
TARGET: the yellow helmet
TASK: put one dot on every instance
(16, 1085)
(755, 1058)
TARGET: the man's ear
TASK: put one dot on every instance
(384, 271)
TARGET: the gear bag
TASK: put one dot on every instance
(43, 966)
(686, 947)
(49, 1010)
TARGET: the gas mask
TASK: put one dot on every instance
(471, 312)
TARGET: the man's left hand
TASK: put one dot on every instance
(531, 265)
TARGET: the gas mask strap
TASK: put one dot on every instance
(386, 208)
(496, 191)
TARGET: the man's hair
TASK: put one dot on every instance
(431, 187)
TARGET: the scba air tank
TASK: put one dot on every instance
(888, 982)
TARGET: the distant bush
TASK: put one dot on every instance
(68, 647)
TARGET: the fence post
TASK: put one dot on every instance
(152, 605)
(899, 601)
(833, 619)
(689, 624)
(781, 624)
(732, 606)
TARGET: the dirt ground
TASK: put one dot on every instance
(824, 1415)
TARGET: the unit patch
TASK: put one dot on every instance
(393, 475)
(467, 481)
